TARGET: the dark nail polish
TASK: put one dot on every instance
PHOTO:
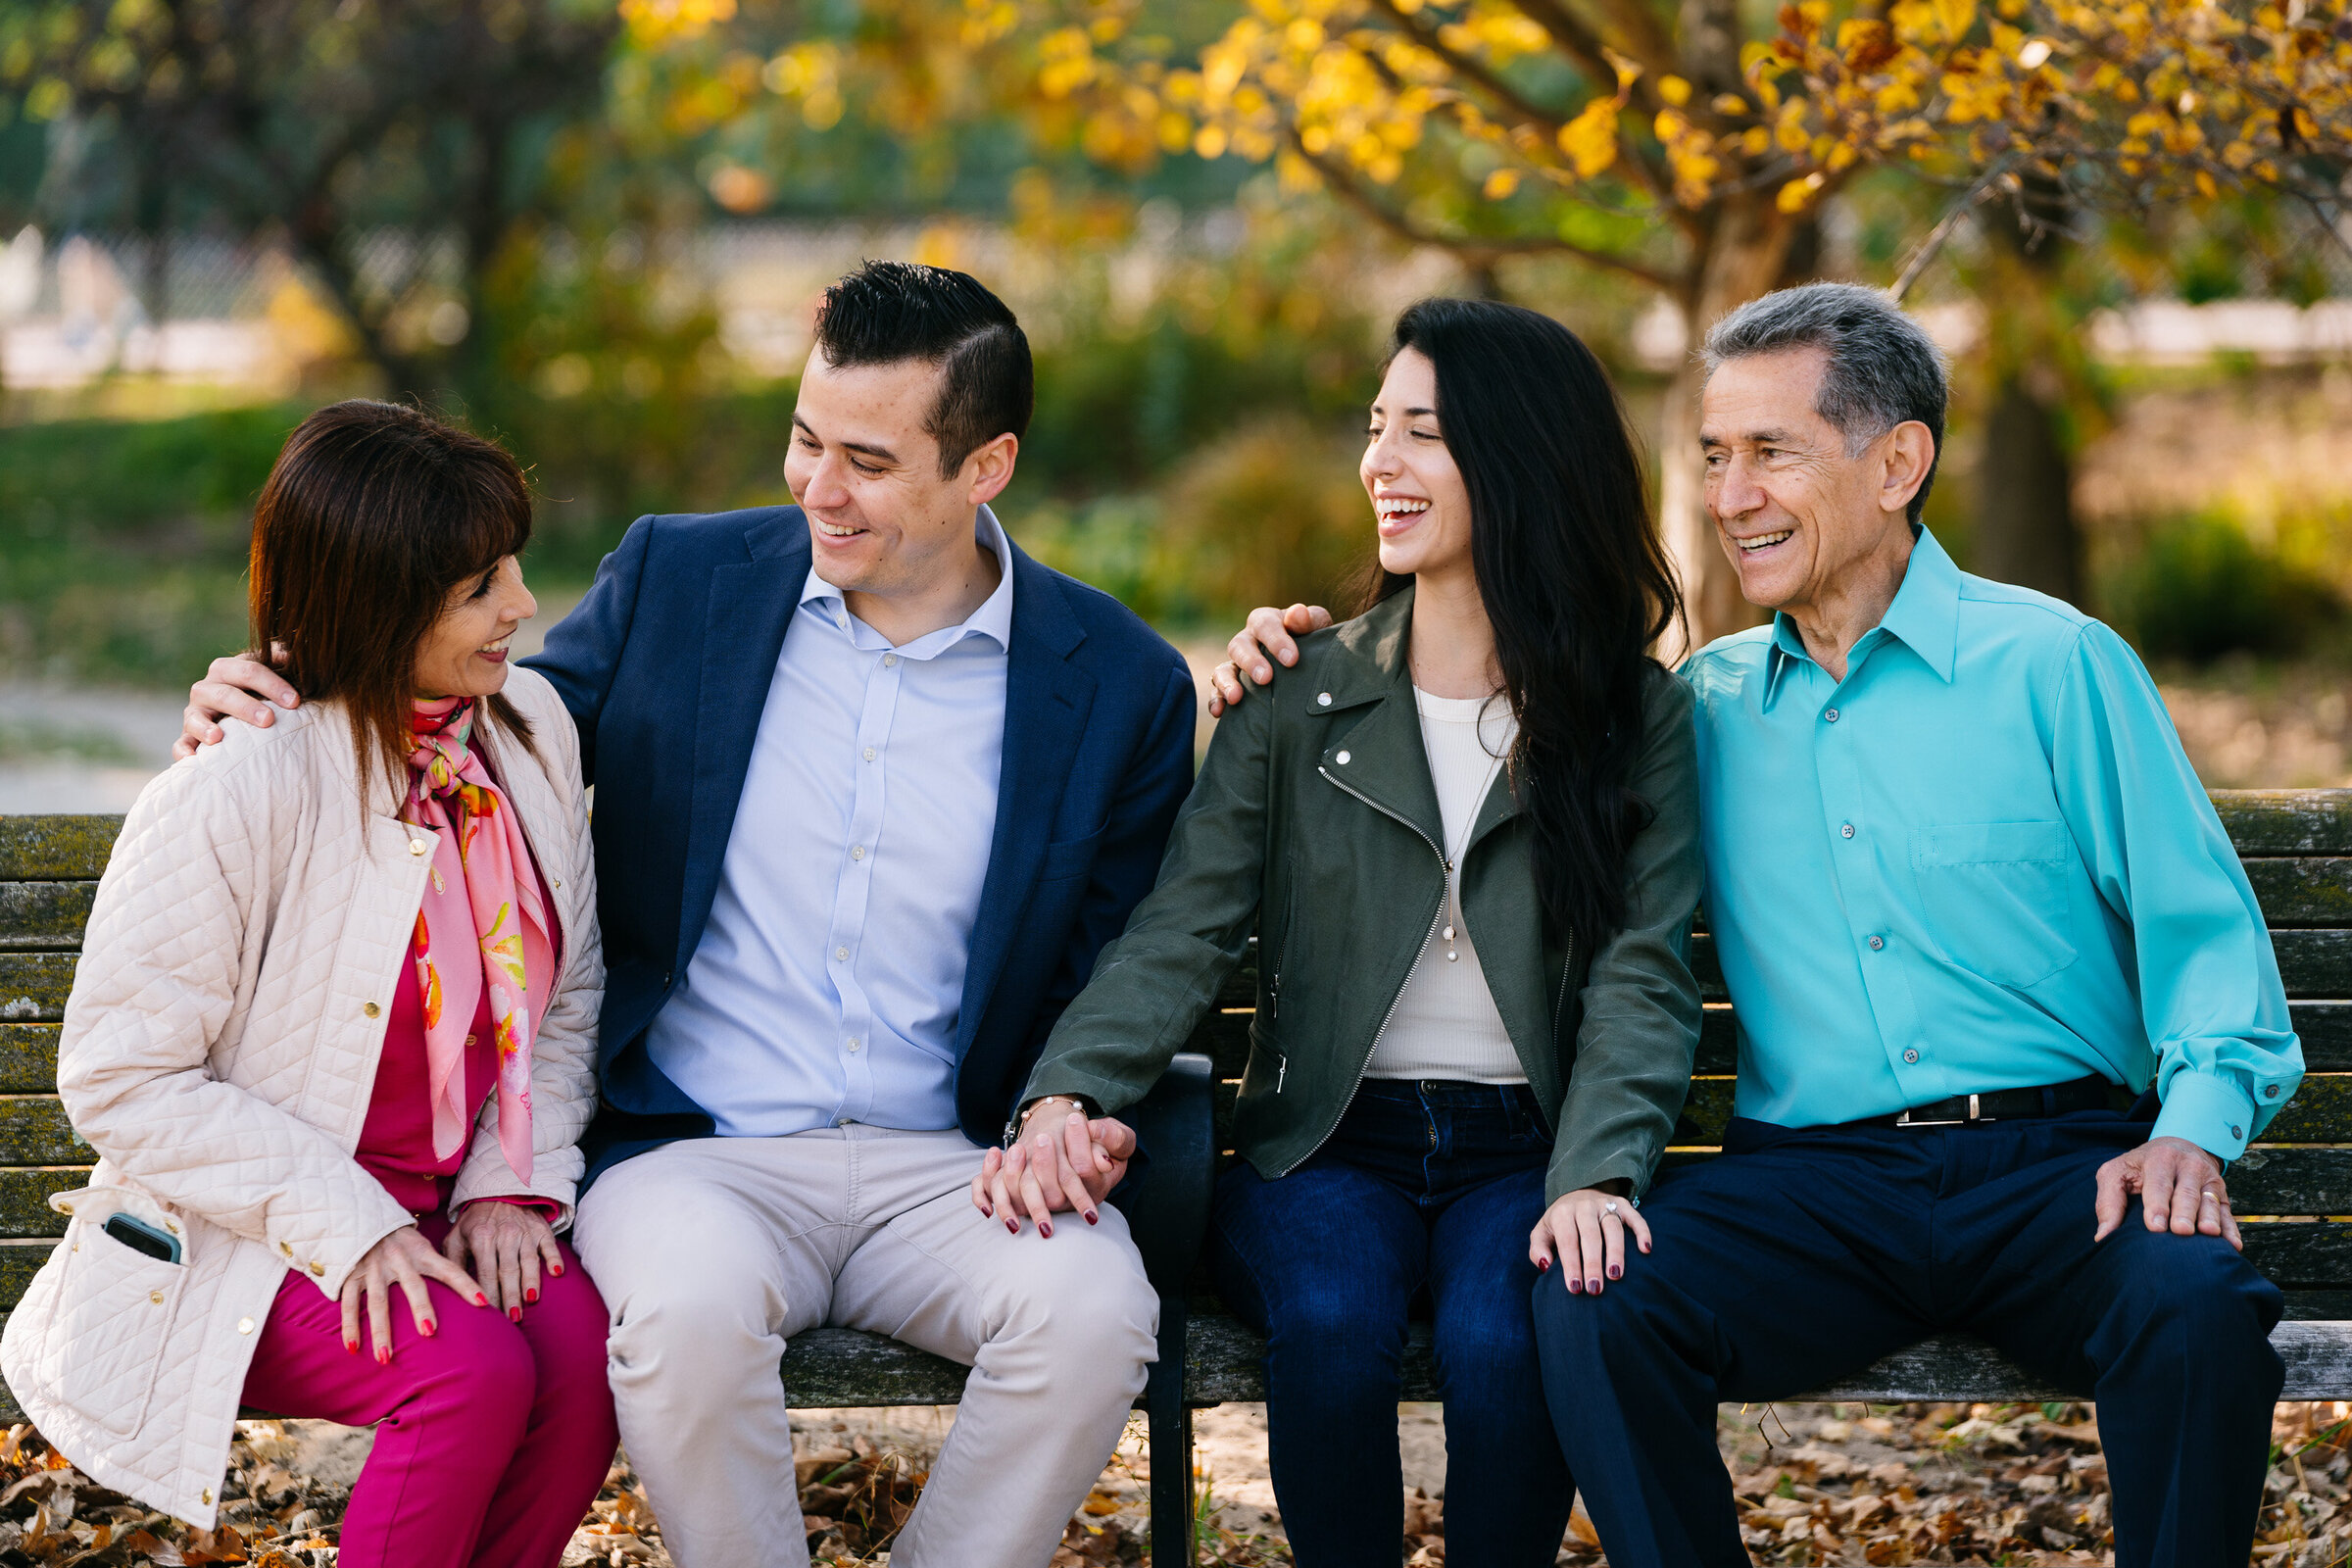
(1593, 1285)
(1576, 1286)
(1616, 1272)
(1090, 1217)
(1014, 1226)
(990, 1209)
(1543, 1265)
(1044, 1227)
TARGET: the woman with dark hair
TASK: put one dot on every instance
(1464, 830)
(332, 1036)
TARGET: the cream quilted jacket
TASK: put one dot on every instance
(219, 1051)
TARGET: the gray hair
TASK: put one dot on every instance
(1883, 369)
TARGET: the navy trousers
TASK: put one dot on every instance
(1801, 1255)
(1425, 1186)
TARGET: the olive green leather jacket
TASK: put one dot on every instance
(1315, 823)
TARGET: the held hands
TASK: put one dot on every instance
(407, 1259)
(509, 1242)
(1275, 629)
(239, 687)
(1044, 1174)
(1588, 1228)
(2180, 1187)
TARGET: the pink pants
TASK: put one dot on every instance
(491, 1437)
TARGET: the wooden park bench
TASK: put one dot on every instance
(2293, 1190)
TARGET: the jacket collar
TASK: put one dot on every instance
(1383, 759)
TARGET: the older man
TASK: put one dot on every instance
(1967, 896)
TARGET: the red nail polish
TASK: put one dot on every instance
(1543, 1265)
(1044, 1227)
(480, 1300)
(515, 1314)
(1576, 1286)
(1616, 1272)
(1593, 1285)
(350, 1347)
(1090, 1217)
(383, 1357)
(428, 1328)
(530, 1295)
(990, 1209)
(1014, 1225)
(555, 1269)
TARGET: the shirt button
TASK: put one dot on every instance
(1875, 943)
(2271, 1093)
(1910, 1056)
(1342, 759)
(853, 1044)
(416, 845)
(369, 1008)
(2234, 1131)
(1322, 698)
(841, 953)
(244, 1325)
(857, 852)
(869, 753)
(890, 661)
(1846, 830)
(1831, 715)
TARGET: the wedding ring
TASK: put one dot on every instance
(1608, 1207)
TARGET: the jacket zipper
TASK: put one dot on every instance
(1445, 869)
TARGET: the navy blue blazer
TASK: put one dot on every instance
(665, 667)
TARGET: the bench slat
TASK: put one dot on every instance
(33, 986)
(28, 1058)
(2309, 892)
(2286, 821)
(55, 848)
(44, 915)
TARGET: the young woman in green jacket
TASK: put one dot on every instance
(1463, 829)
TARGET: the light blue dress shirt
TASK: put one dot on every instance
(828, 980)
(1981, 860)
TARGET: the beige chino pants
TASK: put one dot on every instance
(711, 1253)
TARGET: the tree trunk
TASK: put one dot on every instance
(1741, 260)
(2025, 525)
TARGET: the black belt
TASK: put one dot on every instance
(2013, 1105)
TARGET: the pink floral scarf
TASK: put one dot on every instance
(481, 924)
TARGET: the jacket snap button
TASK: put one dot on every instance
(318, 1268)
(206, 1495)
(157, 1297)
(1342, 759)
(416, 845)
(370, 1009)
(244, 1325)
(1322, 698)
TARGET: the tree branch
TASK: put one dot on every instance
(1469, 67)
(1475, 253)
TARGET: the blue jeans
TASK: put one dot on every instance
(1424, 1186)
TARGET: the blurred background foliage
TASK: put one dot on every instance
(594, 230)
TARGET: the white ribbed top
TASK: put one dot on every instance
(1445, 1024)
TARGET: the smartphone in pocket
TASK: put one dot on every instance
(140, 1236)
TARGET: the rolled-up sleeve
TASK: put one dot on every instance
(2227, 1056)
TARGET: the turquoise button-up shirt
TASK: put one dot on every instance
(1981, 860)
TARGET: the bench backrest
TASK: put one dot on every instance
(2296, 847)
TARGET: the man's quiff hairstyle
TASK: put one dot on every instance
(1883, 370)
(887, 312)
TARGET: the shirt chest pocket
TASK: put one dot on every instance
(1995, 896)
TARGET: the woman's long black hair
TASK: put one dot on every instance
(1572, 574)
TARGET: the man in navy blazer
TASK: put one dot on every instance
(872, 790)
